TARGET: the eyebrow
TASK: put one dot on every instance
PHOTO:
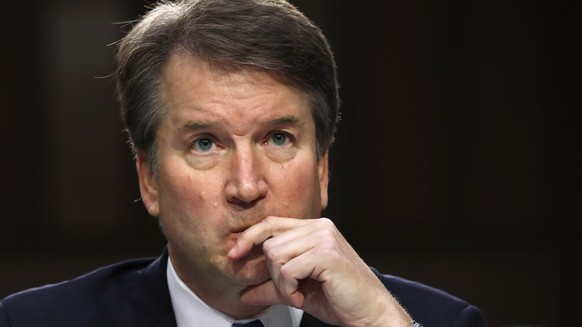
(279, 121)
(288, 120)
(195, 125)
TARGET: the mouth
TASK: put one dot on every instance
(240, 230)
(237, 230)
(236, 234)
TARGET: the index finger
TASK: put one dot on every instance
(260, 232)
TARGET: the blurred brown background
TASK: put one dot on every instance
(454, 164)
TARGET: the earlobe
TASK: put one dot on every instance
(323, 178)
(147, 185)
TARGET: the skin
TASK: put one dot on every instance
(239, 193)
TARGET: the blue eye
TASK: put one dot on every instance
(280, 138)
(204, 144)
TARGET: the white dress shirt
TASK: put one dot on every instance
(191, 311)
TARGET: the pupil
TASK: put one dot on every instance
(205, 144)
(279, 138)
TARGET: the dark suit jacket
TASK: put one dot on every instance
(135, 293)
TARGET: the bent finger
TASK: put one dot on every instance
(267, 294)
(260, 232)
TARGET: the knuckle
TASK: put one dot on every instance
(325, 223)
(270, 250)
(326, 234)
(268, 220)
(268, 247)
(286, 272)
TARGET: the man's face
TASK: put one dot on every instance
(234, 147)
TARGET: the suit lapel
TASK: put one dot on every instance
(149, 302)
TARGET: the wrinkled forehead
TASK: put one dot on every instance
(195, 86)
(189, 60)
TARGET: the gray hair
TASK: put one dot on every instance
(266, 35)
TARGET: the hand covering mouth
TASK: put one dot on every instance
(240, 229)
(253, 252)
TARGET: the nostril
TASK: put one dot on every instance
(243, 204)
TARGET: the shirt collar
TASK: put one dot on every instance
(191, 311)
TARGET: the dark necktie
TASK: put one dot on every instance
(254, 323)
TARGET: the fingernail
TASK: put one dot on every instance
(232, 252)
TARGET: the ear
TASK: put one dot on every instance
(323, 177)
(148, 187)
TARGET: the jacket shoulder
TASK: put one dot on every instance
(81, 301)
(432, 306)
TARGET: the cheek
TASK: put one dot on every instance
(301, 187)
(190, 212)
(186, 197)
(181, 189)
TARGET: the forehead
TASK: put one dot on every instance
(181, 65)
(195, 88)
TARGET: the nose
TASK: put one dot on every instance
(246, 184)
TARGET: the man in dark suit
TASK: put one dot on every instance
(231, 107)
